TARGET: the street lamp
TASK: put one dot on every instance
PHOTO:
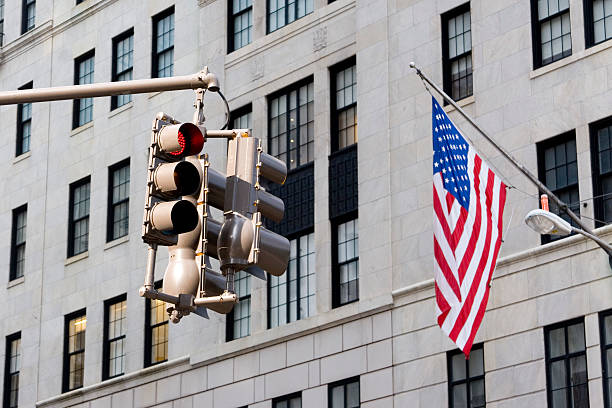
(545, 222)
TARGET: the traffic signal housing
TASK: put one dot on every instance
(169, 177)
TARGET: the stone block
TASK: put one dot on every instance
(377, 384)
(123, 398)
(314, 397)
(420, 373)
(300, 350)
(379, 355)
(357, 333)
(144, 395)
(186, 402)
(235, 395)
(273, 358)
(260, 388)
(203, 399)
(328, 341)
(343, 365)
(104, 402)
(221, 373)
(286, 381)
(516, 380)
(168, 388)
(246, 366)
(314, 373)
(194, 381)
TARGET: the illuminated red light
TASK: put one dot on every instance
(181, 141)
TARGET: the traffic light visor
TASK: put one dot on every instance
(178, 141)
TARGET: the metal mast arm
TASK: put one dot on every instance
(563, 206)
(202, 79)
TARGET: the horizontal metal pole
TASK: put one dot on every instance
(225, 134)
(225, 297)
(203, 79)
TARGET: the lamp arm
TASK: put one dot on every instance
(603, 244)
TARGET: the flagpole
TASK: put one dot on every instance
(604, 245)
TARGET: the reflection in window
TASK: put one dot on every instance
(466, 382)
(74, 362)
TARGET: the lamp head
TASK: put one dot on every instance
(545, 222)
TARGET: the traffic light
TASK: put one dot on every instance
(169, 178)
(244, 243)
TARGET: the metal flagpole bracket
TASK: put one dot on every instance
(541, 186)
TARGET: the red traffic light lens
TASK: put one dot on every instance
(190, 139)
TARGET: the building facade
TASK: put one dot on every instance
(352, 322)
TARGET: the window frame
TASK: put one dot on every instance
(110, 205)
(605, 370)
(107, 341)
(231, 17)
(148, 340)
(13, 260)
(596, 175)
(334, 111)
(536, 35)
(335, 223)
(66, 354)
(7, 366)
(287, 91)
(447, 82)
(589, 25)
(76, 102)
(287, 398)
(541, 161)
(230, 319)
(25, 5)
(73, 186)
(343, 383)
(19, 150)
(468, 378)
(241, 111)
(295, 17)
(154, 53)
(114, 74)
(566, 357)
(294, 236)
(2, 22)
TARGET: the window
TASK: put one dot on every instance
(551, 31)
(558, 170)
(74, 350)
(18, 242)
(123, 64)
(601, 156)
(598, 21)
(291, 127)
(288, 401)
(78, 218)
(156, 331)
(241, 118)
(605, 332)
(239, 319)
(83, 74)
(344, 394)
(1, 22)
(118, 200)
(457, 52)
(466, 380)
(283, 12)
(163, 44)
(115, 327)
(12, 366)
(566, 365)
(344, 105)
(345, 258)
(292, 295)
(241, 26)
(24, 125)
(28, 15)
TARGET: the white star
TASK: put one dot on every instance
(436, 164)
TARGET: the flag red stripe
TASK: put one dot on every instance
(441, 217)
(446, 270)
(469, 252)
(469, 301)
(442, 305)
(483, 304)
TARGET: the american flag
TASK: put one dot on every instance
(468, 200)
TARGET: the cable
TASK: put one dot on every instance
(227, 110)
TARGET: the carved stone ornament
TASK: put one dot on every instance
(257, 68)
(319, 40)
(204, 3)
